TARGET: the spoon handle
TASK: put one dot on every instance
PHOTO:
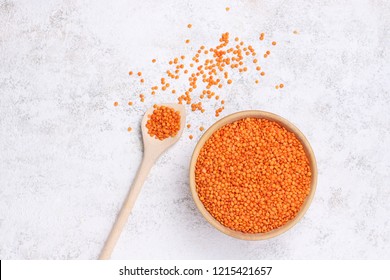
(143, 171)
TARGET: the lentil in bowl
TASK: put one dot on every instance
(253, 175)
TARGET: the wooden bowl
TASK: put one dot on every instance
(290, 127)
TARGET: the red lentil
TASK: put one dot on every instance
(252, 175)
(164, 122)
(261, 36)
(208, 70)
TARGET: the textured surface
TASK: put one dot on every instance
(66, 159)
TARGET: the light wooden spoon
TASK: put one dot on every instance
(153, 148)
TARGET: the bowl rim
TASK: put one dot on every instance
(308, 151)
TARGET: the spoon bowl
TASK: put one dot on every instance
(154, 147)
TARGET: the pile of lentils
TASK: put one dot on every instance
(253, 175)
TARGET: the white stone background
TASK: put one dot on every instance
(67, 160)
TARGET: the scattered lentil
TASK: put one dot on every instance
(209, 66)
(261, 36)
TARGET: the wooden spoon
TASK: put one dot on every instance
(153, 148)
